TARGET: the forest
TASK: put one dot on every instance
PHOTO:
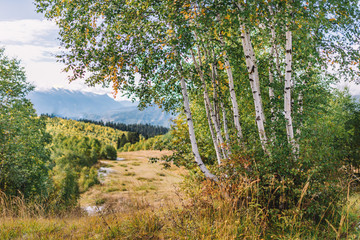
(270, 145)
(146, 130)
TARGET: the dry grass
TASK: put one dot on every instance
(135, 177)
(130, 199)
(202, 218)
(134, 219)
(148, 206)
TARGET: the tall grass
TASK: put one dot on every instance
(211, 212)
(17, 206)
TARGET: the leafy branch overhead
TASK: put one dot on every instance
(145, 48)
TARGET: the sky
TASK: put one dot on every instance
(27, 36)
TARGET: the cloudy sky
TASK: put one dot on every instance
(26, 35)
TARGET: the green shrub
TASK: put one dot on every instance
(88, 178)
(109, 152)
(66, 189)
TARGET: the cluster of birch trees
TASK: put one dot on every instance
(274, 51)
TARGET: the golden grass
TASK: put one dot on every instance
(148, 206)
(136, 177)
(202, 218)
(130, 199)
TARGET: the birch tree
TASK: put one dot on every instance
(287, 89)
(136, 47)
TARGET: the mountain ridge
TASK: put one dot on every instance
(76, 104)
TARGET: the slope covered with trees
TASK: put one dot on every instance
(107, 135)
(68, 127)
(159, 142)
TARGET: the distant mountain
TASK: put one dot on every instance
(84, 105)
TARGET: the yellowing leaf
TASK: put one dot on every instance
(221, 67)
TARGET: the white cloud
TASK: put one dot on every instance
(354, 89)
(28, 31)
(34, 43)
(31, 53)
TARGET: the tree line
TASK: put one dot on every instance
(146, 130)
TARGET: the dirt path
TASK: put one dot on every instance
(135, 183)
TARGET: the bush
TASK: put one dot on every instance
(109, 152)
(66, 188)
(88, 178)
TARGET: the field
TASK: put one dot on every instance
(141, 200)
(134, 180)
(128, 196)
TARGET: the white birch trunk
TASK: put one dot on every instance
(287, 90)
(226, 131)
(225, 151)
(194, 146)
(214, 77)
(271, 69)
(215, 142)
(255, 86)
(235, 107)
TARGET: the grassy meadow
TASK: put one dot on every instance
(142, 200)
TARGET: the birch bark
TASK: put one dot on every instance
(221, 104)
(287, 90)
(226, 131)
(190, 123)
(255, 85)
(215, 88)
(235, 107)
(215, 142)
(225, 151)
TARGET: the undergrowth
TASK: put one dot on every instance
(206, 211)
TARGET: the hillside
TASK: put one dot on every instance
(81, 105)
(68, 128)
